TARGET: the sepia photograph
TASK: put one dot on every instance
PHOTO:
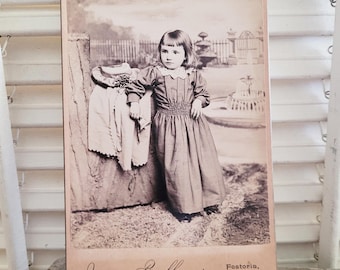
(167, 134)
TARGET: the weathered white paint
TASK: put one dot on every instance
(25, 22)
(10, 202)
(330, 223)
(29, 2)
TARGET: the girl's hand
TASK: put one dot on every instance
(196, 109)
(134, 110)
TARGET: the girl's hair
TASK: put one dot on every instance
(180, 38)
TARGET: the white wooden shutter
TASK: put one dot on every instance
(301, 32)
(300, 63)
(33, 76)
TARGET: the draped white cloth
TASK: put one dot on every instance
(111, 131)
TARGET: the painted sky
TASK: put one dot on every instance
(151, 18)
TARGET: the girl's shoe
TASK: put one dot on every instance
(214, 209)
(185, 218)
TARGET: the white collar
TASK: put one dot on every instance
(180, 72)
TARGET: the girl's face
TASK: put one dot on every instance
(172, 57)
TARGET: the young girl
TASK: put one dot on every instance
(184, 143)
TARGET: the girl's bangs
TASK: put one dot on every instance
(169, 41)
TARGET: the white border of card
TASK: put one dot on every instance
(97, 184)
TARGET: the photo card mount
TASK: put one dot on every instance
(121, 206)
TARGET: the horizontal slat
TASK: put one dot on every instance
(42, 241)
(35, 95)
(43, 138)
(43, 179)
(297, 254)
(301, 7)
(301, 154)
(299, 113)
(297, 134)
(40, 159)
(298, 193)
(298, 92)
(33, 50)
(36, 117)
(293, 25)
(297, 213)
(300, 69)
(308, 48)
(33, 74)
(30, 21)
(40, 200)
(42, 221)
(29, 2)
(301, 174)
(304, 264)
(297, 233)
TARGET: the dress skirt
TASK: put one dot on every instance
(186, 149)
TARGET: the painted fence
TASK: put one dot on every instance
(144, 52)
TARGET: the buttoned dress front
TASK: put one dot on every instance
(184, 146)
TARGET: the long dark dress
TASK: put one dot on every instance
(185, 146)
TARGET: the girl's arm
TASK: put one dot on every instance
(196, 108)
(200, 90)
(134, 110)
(202, 98)
(137, 88)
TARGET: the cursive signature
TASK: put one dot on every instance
(91, 266)
(151, 264)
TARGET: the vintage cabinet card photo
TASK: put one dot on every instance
(167, 135)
